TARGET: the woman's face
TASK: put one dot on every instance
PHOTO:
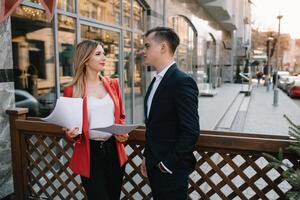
(97, 61)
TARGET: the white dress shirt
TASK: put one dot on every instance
(155, 85)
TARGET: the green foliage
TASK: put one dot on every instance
(290, 173)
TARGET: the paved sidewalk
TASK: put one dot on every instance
(212, 109)
(263, 117)
(260, 116)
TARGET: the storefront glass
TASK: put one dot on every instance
(66, 5)
(106, 11)
(33, 58)
(66, 46)
(128, 78)
(110, 39)
(127, 13)
(138, 16)
(186, 51)
(139, 78)
(35, 55)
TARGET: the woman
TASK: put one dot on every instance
(99, 161)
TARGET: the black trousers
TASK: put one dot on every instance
(167, 186)
(106, 175)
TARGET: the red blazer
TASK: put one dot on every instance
(80, 161)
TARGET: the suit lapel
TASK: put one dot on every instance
(146, 97)
(161, 86)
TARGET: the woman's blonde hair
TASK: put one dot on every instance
(83, 52)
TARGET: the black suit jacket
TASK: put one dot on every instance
(172, 127)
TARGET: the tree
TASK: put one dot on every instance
(290, 173)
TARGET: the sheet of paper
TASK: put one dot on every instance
(67, 113)
(118, 128)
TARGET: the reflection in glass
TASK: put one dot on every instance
(107, 11)
(186, 51)
(66, 43)
(139, 79)
(110, 40)
(33, 57)
(128, 72)
(138, 16)
(66, 5)
(127, 13)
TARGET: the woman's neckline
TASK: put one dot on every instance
(98, 97)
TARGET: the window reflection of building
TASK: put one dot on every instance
(66, 42)
(138, 16)
(34, 49)
(110, 39)
(128, 72)
(139, 77)
(33, 54)
(66, 5)
(102, 10)
(186, 51)
(127, 13)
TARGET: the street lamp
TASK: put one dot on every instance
(269, 41)
(275, 96)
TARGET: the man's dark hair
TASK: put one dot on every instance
(165, 34)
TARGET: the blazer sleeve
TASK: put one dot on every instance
(186, 103)
(122, 112)
(68, 92)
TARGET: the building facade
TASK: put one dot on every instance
(37, 54)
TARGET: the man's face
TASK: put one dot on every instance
(152, 50)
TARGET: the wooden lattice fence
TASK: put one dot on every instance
(229, 165)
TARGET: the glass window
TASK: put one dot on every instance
(33, 59)
(102, 10)
(138, 16)
(139, 78)
(110, 39)
(128, 79)
(127, 13)
(186, 51)
(66, 5)
(66, 45)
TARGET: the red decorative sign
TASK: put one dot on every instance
(8, 6)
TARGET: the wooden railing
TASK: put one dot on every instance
(229, 165)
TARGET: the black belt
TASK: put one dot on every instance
(101, 143)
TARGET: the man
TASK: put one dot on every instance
(171, 118)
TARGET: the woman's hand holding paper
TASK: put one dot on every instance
(71, 132)
(122, 137)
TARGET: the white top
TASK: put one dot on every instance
(155, 85)
(100, 114)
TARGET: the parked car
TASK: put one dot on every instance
(294, 89)
(288, 81)
(25, 100)
(282, 75)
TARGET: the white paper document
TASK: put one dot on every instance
(118, 128)
(67, 113)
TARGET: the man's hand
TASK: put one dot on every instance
(143, 168)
